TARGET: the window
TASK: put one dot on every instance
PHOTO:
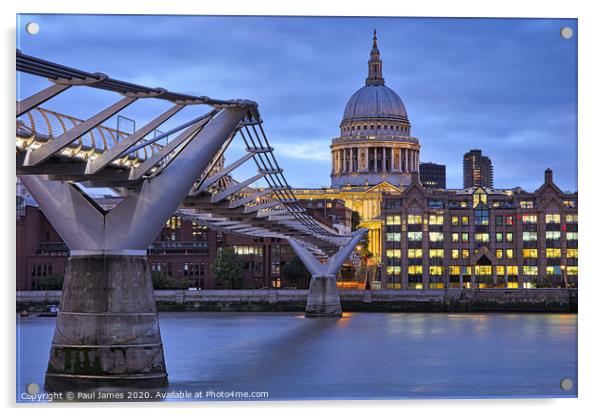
(394, 253)
(465, 254)
(455, 220)
(415, 253)
(552, 270)
(499, 253)
(454, 270)
(530, 270)
(415, 236)
(481, 215)
(465, 237)
(393, 219)
(512, 270)
(499, 220)
(530, 253)
(552, 252)
(526, 204)
(572, 270)
(499, 237)
(529, 236)
(552, 218)
(245, 250)
(484, 270)
(414, 219)
(394, 270)
(414, 269)
(500, 270)
(464, 220)
(571, 236)
(571, 218)
(455, 237)
(435, 236)
(435, 270)
(509, 220)
(529, 219)
(509, 237)
(509, 253)
(552, 235)
(455, 254)
(436, 219)
(572, 253)
(569, 203)
(436, 253)
(393, 236)
(481, 237)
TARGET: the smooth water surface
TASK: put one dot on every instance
(362, 355)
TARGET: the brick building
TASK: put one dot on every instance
(480, 237)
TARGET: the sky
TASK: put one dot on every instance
(506, 86)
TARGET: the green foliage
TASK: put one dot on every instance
(163, 281)
(51, 282)
(295, 273)
(227, 269)
(355, 220)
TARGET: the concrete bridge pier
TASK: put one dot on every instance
(323, 297)
(107, 329)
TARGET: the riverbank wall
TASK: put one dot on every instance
(275, 300)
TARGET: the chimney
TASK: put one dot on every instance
(548, 175)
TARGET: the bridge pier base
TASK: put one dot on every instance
(323, 298)
(107, 329)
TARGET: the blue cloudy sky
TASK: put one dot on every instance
(507, 86)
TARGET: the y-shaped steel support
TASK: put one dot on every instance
(107, 331)
(323, 297)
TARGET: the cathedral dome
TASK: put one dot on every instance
(373, 101)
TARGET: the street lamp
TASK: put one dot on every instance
(564, 275)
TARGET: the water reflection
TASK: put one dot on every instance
(362, 355)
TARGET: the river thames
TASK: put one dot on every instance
(360, 356)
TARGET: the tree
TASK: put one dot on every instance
(295, 273)
(51, 282)
(355, 220)
(163, 281)
(227, 269)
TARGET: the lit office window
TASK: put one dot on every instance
(455, 254)
(552, 218)
(552, 270)
(455, 237)
(572, 253)
(500, 271)
(512, 270)
(464, 220)
(435, 236)
(484, 270)
(529, 219)
(394, 253)
(572, 270)
(526, 204)
(571, 218)
(529, 236)
(481, 237)
(415, 269)
(552, 252)
(454, 270)
(415, 253)
(393, 236)
(552, 235)
(499, 253)
(509, 220)
(465, 254)
(414, 219)
(435, 270)
(465, 237)
(436, 219)
(509, 237)
(571, 236)
(509, 253)
(393, 270)
(499, 237)
(415, 236)
(530, 270)
(436, 253)
(455, 220)
(393, 219)
(530, 253)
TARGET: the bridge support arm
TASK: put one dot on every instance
(323, 297)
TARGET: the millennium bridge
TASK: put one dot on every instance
(107, 330)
